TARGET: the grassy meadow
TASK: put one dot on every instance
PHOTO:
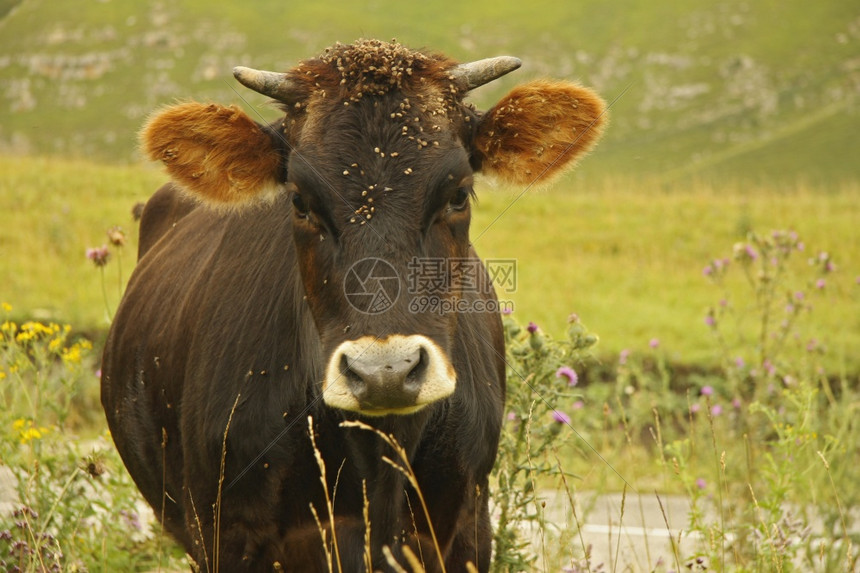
(626, 256)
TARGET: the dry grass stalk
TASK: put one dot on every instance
(199, 532)
(216, 542)
(407, 471)
(365, 512)
(328, 501)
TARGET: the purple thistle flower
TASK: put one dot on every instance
(820, 284)
(707, 391)
(739, 362)
(98, 255)
(569, 373)
(716, 410)
(512, 416)
(694, 408)
(507, 310)
(736, 403)
(654, 342)
(622, 356)
(708, 271)
(710, 320)
(532, 327)
(560, 417)
(751, 252)
(578, 405)
(701, 483)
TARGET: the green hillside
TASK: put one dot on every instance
(728, 90)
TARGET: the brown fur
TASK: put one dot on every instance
(372, 68)
(539, 130)
(217, 153)
(368, 69)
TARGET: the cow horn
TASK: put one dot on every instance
(475, 74)
(272, 84)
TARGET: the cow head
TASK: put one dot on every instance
(377, 151)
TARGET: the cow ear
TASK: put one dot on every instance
(216, 153)
(539, 130)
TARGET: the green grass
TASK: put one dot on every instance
(51, 211)
(626, 256)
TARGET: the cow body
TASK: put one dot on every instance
(235, 338)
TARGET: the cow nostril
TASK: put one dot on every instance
(416, 375)
(354, 380)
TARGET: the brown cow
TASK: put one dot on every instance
(270, 289)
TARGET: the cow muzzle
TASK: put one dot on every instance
(396, 375)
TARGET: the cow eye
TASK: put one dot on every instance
(460, 199)
(300, 205)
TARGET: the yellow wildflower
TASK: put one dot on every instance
(24, 336)
(6, 307)
(33, 330)
(72, 355)
(30, 434)
(2, 375)
(27, 431)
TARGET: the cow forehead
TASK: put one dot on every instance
(370, 67)
(391, 135)
(375, 90)
(365, 165)
(375, 122)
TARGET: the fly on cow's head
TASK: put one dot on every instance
(377, 151)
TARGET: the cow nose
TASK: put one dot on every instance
(373, 378)
(397, 375)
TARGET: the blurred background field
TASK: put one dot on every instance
(759, 91)
(726, 117)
